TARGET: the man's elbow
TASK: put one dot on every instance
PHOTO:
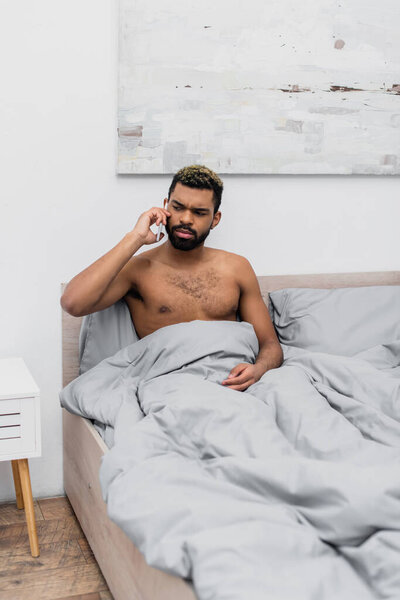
(69, 306)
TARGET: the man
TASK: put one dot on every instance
(180, 280)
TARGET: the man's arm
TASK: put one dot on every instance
(111, 276)
(253, 310)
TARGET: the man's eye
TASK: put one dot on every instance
(177, 207)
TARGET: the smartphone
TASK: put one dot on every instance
(159, 232)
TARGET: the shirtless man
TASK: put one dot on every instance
(181, 279)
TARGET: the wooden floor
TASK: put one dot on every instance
(66, 568)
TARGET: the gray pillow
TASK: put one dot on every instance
(337, 321)
(103, 333)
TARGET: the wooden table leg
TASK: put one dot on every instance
(25, 479)
(17, 484)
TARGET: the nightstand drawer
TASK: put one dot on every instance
(10, 433)
(17, 426)
(10, 406)
(10, 420)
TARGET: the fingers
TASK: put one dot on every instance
(240, 388)
(236, 380)
(158, 215)
(165, 215)
(162, 218)
(237, 370)
(155, 215)
(238, 375)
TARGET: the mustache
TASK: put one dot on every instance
(179, 228)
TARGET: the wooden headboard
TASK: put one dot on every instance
(268, 283)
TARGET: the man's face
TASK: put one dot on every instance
(192, 216)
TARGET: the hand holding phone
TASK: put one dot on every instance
(154, 216)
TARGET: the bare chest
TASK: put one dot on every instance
(179, 296)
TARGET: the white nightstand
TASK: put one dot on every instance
(20, 433)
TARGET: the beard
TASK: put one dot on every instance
(182, 243)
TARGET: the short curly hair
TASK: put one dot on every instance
(200, 177)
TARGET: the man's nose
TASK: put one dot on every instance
(186, 217)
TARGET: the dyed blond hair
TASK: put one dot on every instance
(200, 177)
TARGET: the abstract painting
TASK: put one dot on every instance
(265, 86)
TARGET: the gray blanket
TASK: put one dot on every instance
(290, 490)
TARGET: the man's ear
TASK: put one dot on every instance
(216, 219)
(165, 202)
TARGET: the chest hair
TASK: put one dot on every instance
(196, 286)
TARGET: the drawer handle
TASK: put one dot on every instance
(10, 431)
(10, 420)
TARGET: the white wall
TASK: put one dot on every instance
(62, 206)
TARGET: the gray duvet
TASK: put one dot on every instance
(288, 491)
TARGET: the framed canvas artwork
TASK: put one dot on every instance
(276, 86)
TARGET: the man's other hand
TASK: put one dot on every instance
(242, 376)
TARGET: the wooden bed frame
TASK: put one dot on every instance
(124, 568)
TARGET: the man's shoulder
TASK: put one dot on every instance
(142, 259)
(137, 266)
(236, 260)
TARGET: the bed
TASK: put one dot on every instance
(124, 568)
